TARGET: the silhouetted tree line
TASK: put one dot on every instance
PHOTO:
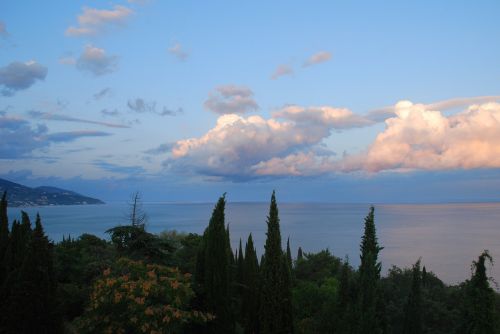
(140, 282)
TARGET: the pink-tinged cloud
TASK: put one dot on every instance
(93, 21)
(282, 70)
(381, 114)
(236, 144)
(336, 118)
(291, 142)
(231, 99)
(422, 139)
(178, 51)
(318, 58)
(96, 61)
(296, 164)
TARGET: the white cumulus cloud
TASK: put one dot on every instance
(422, 139)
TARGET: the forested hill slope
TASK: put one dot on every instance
(19, 195)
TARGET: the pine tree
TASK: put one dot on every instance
(274, 317)
(370, 320)
(413, 320)
(250, 300)
(480, 300)
(217, 256)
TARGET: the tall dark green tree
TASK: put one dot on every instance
(15, 253)
(32, 302)
(250, 298)
(4, 235)
(300, 254)
(214, 270)
(346, 302)
(289, 254)
(480, 300)
(275, 302)
(370, 317)
(413, 310)
(240, 265)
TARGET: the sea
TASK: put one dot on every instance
(446, 237)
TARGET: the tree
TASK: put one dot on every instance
(214, 270)
(289, 255)
(480, 300)
(371, 321)
(300, 254)
(137, 217)
(4, 235)
(346, 302)
(32, 303)
(250, 298)
(240, 266)
(413, 310)
(135, 242)
(133, 297)
(276, 301)
(17, 246)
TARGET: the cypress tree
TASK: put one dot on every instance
(289, 255)
(240, 265)
(413, 320)
(286, 298)
(250, 301)
(480, 300)
(424, 277)
(274, 317)
(370, 319)
(217, 269)
(4, 235)
(32, 302)
(300, 254)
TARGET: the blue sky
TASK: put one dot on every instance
(183, 100)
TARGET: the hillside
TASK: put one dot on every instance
(19, 195)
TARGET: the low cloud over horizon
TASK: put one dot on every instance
(290, 143)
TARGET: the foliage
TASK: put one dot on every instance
(251, 283)
(4, 235)
(413, 310)
(275, 315)
(480, 315)
(370, 317)
(185, 249)
(29, 302)
(77, 263)
(214, 270)
(134, 297)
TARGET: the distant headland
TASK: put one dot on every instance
(19, 195)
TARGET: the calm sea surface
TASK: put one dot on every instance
(447, 236)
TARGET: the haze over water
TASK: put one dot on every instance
(448, 237)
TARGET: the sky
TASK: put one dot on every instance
(341, 101)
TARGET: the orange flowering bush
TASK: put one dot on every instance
(133, 297)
